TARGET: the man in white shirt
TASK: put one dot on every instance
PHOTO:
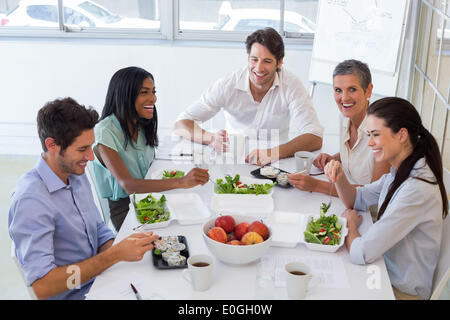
(261, 97)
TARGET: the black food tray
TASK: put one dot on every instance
(159, 263)
(257, 174)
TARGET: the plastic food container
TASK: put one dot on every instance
(260, 204)
(288, 227)
(323, 247)
(185, 208)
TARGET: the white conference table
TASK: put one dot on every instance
(369, 282)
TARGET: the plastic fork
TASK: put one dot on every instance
(329, 202)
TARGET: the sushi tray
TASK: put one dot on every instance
(171, 252)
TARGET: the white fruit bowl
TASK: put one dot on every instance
(231, 254)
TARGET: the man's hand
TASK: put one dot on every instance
(261, 157)
(195, 177)
(135, 246)
(219, 141)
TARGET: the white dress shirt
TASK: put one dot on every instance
(286, 99)
(408, 234)
(357, 161)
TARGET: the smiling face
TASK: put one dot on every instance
(74, 158)
(262, 66)
(350, 96)
(387, 145)
(146, 99)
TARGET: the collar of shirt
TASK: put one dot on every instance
(243, 82)
(50, 179)
(141, 137)
(418, 169)
(362, 130)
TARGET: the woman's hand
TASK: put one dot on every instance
(195, 177)
(302, 181)
(333, 171)
(353, 218)
(321, 160)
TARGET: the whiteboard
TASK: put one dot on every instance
(371, 31)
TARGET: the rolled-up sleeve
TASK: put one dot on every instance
(399, 219)
(357, 252)
(303, 115)
(31, 229)
(104, 233)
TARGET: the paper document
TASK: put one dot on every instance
(118, 288)
(330, 269)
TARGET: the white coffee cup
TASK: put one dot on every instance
(199, 272)
(298, 276)
(303, 161)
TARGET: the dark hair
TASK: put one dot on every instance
(123, 91)
(398, 113)
(64, 120)
(269, 38)
(356, 67)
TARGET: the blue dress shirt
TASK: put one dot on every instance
(408, 235)
(53, 224)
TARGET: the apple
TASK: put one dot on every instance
(234, 242)
(218, 234)
(240, 230)
(227, 223)
(251, 238)
(259, 228)
(231, 236)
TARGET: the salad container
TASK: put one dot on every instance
(255, 204)
(185, 208)
(324, 247)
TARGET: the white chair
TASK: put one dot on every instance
(102, 203)
(443, 265)
(16, 262)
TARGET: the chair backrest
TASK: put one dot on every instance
(16, 262)
(102, 203)
(444, 256)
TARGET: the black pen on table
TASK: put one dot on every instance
(136, 293)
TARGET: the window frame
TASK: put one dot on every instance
(169, 29)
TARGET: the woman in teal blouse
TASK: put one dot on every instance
(126, 137)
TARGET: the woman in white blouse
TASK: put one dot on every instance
(411, 199)
(352, 83)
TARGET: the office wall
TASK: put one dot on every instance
(34, 72)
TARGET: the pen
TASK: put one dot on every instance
(181, 155)
(136, 293)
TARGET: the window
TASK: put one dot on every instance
(233, 20)
(81, 16)
(45, 13)
(159, 19)
(430, 90)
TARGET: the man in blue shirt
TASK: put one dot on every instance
(60, 239)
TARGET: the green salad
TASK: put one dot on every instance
(324, 208)
(325, 230)
(235, 186)
(172, 174)
(150, 210)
